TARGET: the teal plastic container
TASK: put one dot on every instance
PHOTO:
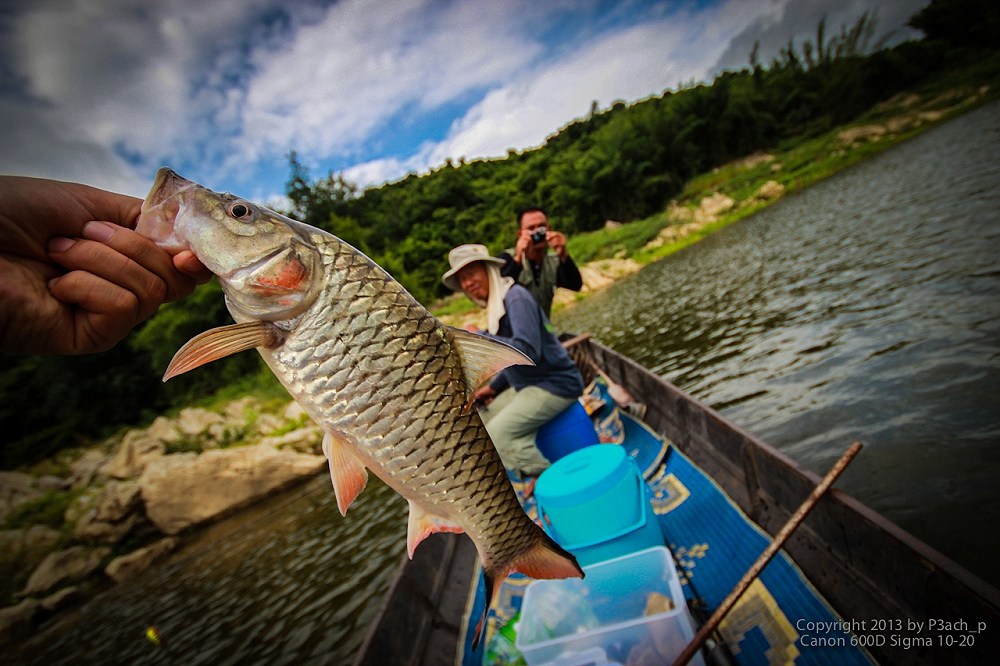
(571, 430)
(595, 504)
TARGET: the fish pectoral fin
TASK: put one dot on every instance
(348, 474)
(483, 357)
(221, 342)
(422, 524)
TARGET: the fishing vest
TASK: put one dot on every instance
(544, 289)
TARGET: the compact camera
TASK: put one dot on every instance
(538, 235)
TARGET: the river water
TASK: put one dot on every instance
(866, 307)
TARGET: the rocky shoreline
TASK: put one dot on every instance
(131, 501)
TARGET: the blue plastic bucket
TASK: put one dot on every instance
(570, 430)
(594, 503)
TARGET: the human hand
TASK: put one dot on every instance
(484, 395)
(557, 241)
(522, 245)
(74, 277)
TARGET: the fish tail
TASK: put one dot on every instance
(545, 559)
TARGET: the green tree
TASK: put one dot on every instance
(960, 22)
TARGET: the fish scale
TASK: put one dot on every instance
(386, 380)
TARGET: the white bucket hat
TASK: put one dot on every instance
(462, 256)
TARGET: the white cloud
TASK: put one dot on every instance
(344, 79)
(380, 171)
(114, 82)
(629, 64)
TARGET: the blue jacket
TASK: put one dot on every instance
(526, 328)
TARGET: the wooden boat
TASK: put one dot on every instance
(901, 601)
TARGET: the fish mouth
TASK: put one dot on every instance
(160, 208)
(165, 186)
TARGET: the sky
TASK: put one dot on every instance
(106, 91)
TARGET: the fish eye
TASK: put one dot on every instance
(240, 211)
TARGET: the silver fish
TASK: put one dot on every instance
(389, 383)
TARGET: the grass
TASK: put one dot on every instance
(618, 242)
(49, 509)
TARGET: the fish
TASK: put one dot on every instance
(390, 385)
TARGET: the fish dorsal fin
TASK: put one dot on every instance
(484, 357)
(423, 524)
(348, 474)
(221, 342)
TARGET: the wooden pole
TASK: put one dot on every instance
(779, 540)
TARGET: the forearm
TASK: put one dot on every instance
(568, 275)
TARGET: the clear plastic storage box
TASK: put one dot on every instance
(629, 603)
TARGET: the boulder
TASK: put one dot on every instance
(66, 566)
(60, 600)
(713, 206)
(293, 411)
(772, 189)
(238, 410)
(105, 514)
(268, 424)
(27, 546)
(16, 488)
(88, 528)
(137, 449)
(17, 622)
(853, 135)
(164, 430)
(195, 421)
(679, 214)
(128, 566)
(305, 440)
(21, 551)
(50, 482)
(117, 500)
(187, 489)
(85, 468)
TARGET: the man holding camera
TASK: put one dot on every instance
(532, 265)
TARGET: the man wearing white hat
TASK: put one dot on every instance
(539, 392)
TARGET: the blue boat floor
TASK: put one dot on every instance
(781, 619)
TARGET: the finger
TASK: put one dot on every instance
(145, 253)
(187, 263)
(113, 267)
(105, 312)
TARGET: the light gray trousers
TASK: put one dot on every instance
(513, 419)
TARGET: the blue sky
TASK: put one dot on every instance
(105, 91)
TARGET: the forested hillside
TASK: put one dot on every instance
(623, 164)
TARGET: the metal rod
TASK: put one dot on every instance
(779, 540)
